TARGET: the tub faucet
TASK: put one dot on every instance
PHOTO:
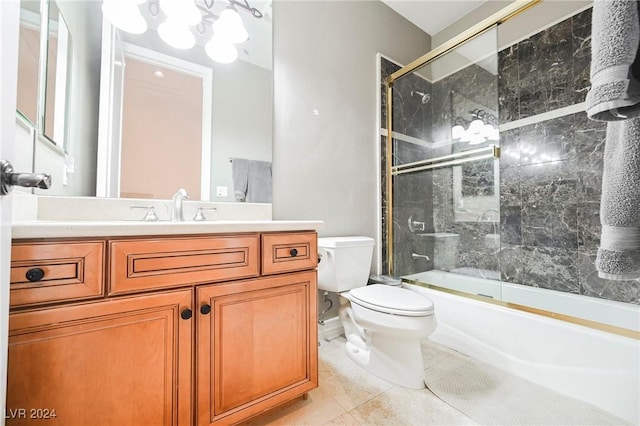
(416, 256)
(178, 198)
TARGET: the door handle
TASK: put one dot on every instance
(9, 179)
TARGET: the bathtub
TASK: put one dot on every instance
(595, 366)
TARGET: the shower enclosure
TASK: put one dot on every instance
(445, 166)
(493, 170)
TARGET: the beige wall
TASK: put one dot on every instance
(326, 165)
(161, 133)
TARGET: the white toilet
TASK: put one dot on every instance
(383, 324)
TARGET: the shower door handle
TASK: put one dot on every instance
(9, 179)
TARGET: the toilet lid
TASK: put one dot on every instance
(392, 300)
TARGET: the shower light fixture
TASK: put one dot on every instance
(482, 127)
(184, 21)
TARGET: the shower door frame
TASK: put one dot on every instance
(483, 26)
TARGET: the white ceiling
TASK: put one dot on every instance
(433, 16)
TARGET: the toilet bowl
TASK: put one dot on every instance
(384, 324)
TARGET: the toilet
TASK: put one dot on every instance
(384, 324)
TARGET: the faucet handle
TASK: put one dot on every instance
(150, 216)
(200, 213)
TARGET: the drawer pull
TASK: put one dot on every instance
(186, 314)
(293, 252)
(35, 274)
(205, 309)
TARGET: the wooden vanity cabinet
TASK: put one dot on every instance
(203, 345)
(256, 346)
(116, 362)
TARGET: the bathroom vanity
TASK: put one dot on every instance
(161, 323)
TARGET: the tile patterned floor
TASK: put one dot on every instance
(348, 395)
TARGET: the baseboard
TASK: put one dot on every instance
(331, 329)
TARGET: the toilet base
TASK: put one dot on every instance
(398, 361)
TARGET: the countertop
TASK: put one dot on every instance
(115, 228)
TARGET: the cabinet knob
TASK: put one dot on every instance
(293, 252)
(35, 274)
(205, 309)
(186, 314)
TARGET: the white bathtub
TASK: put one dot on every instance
(616, 314)
(591, 365)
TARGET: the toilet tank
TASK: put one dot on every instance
(345, 262)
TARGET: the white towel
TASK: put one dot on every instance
(615, 97)
(615, 66)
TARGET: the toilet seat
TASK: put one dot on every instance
(392, 300)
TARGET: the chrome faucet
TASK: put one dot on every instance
(178, 198)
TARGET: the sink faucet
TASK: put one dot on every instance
(178, 198)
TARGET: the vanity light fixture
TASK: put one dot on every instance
(184, 21)
(125, 14)
(482, 127)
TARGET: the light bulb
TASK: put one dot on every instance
(229, 25)
(476, 139)
(476, 126)
(457, 131)
(181, 11)
(487, 130)
(176, 34)
(125, 15)
(221, 50)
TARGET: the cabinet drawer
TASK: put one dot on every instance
(285, 252)
(138, 265)
(48, 272)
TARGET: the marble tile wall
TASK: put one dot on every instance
(412, 192)
(550, 171)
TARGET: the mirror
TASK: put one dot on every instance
(29, 60)
(58, 77)
(476, 184)
(108, 71)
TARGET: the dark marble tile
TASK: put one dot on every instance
(510, 191)
(552, 183)
(540, 93)
(581, 47)
(550, 268)
(511, 225)
(509, 148)
(588, 140)
(594, 286)
(508, 66)
(412, 116)
(509, 103)
(386, 69)
(550, 225)
(589, 228)
(510, 260)
(589, 185)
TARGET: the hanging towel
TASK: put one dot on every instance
(259, 182)
(615, 66)
(615, 97)
(619, 253)
(252, 180)
(239, 177)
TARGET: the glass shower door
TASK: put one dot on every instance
(445, 177)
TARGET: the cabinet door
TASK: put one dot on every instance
(117, 362)
(256, 346)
